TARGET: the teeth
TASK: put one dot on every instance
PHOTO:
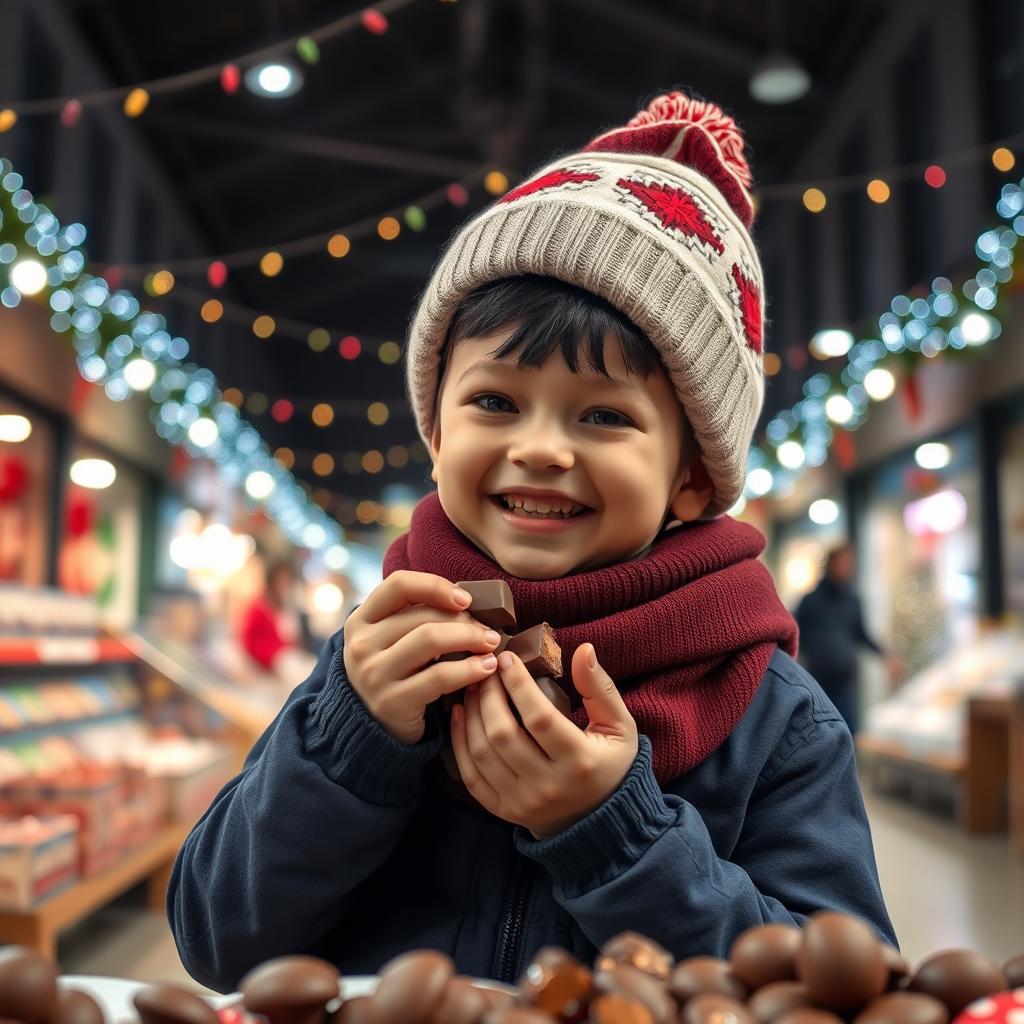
(561, 510)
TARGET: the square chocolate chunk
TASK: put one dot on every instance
(539, 650)
(492, 603)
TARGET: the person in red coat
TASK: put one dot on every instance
(271, 623)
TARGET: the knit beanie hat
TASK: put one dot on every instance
(655, 218)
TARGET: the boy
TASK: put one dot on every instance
(586, 368)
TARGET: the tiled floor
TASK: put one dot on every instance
(942, 887)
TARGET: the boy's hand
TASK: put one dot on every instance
(392, 640)
(548, 775)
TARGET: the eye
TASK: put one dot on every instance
(490, 398)
(623, 421)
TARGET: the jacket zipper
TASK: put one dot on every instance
(506, 956)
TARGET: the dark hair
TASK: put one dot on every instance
(840, 551)
(549, 313)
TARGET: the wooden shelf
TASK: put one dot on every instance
(62, 650)
(39, 927)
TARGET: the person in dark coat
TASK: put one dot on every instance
(832, 629)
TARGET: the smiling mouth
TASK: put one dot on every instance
(502, 502)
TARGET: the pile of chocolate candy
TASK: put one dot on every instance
(493, 606)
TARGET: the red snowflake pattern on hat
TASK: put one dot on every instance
(746, 301)
(553, 179)
(678, 211)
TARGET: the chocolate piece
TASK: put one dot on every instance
(357, 1010)
(291, 989)
(557, 983)
(903, 1008)
(765, 953)
(411, 987)
(462, 1003)
(957, 978)
(780, 997)
(810, 1015)
(842, 962)
(492, 603)
(28, 985)
(539, 650)
(555, 694)
(167, 1004)
(704, 975)
(638, 951)
(75, 1007)
(714, 1009)
(630, 981)
(1014, 971)
(613, 1008)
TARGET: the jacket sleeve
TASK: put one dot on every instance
(647, 856)
(321, 802)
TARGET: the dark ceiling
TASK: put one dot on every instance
(507, 83)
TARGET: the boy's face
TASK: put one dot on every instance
(620, 446)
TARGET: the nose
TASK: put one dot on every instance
(541, 446)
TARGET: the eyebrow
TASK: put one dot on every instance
(489, 366)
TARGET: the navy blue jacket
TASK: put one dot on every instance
(336, 840)
(831, 628)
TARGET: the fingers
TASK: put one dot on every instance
(601, 698)
(430, 640)
(488, 761)
(511, 743)
(554, 733)
(404, 588)
(443, 677)
(471, 777)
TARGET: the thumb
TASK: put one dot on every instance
(601, 698)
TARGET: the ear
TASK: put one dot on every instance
(435, 446)
(694, 494)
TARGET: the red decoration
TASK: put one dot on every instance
(217, 273)
(911, 393)
(282, 410)
(677, 210)
(935, 176)
(553, 179)
(70, 113)
(846, 451)
(747, 297)
(13, 479)
(230, 78)
(349, 347)
(114, 276)
(80, 515)
(374, 22)
(457, 194)
(81, 389)
(180, 460)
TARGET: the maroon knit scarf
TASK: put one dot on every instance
(686, 632)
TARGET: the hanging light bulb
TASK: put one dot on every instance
(779, 78)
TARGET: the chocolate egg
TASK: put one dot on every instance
(715, 1009)
(462, 1003)
(557, 983)
(809, 1015)
(1014, 971)
(842, 962)
(770, 1002)
(167, 1004)
(638, 951)
(631, 982)
(613, 1008)
(28, 985)
(411, 987)
(957, 977)
(74, 1007)
(765, 953)
(903, 1008)
(704, 975)
(357, 1010)
(291, 989)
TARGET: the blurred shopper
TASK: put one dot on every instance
(272, 629)
(831, 629)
